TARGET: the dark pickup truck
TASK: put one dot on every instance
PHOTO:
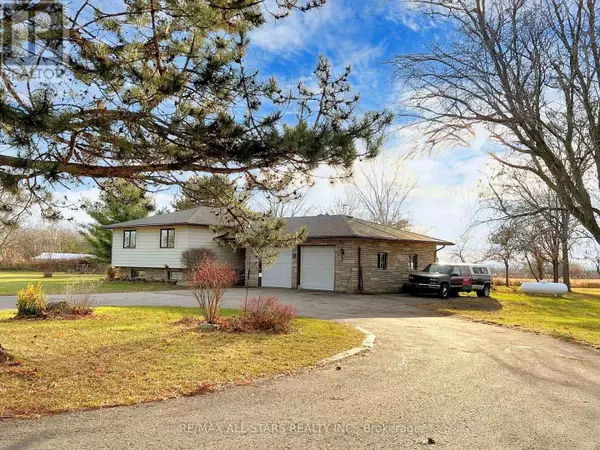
(450, 279)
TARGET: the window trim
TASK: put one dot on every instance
(171, 272)
(382, 256)
(168, 230)
(413, 261)
(129, 231)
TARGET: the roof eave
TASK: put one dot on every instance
(374, 238)
(162, 225)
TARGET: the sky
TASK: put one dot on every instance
(367, 35)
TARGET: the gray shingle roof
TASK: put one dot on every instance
(318, 226)
(196, 216)
(349, 227)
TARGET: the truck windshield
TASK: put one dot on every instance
(438, 268)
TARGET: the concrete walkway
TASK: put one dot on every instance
(431, 381)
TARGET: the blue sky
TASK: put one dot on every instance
(367, 34)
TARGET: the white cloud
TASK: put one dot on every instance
(446, 197)
(288, 35)
(409, 15)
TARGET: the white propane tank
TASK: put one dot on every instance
(543, 287)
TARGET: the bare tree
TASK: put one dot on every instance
(293, 205)
(378, 191)
(594, 258)
(346, 204)
(460, 250)
(528, 245)
(548, 229)
(504, 246)
(528, 71)
(14, 208)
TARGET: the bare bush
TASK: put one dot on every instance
(80, 295)
(266, 314)
(208, 281)
(192, 257)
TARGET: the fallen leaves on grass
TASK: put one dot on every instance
(132, 355)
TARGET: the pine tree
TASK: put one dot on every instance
(153, 89)
(119, 201)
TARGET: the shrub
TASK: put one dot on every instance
(58, 309)
(111, 273)
(193, 257)
(31, 301)
(266, 314)
(3, 355)
(208, 281)
(79, 296)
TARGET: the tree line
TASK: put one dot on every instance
(167, 90)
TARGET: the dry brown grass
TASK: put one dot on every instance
(574, 317)
(575, 283)
(123, 356)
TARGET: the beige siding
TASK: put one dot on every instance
(148, 253)
(204, 238)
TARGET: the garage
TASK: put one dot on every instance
(279, 274)
(317, 268)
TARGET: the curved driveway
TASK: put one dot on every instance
(431, 381)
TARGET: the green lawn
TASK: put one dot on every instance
(12, 282)
(128, 355)
(575, 316)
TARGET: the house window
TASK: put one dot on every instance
(167, 238)
(129, 238)
(413, 262)
(382, 261)
(175, 275)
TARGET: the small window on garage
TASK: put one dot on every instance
(167, 238)
(413, 262)
(175, 275)
(382, 261)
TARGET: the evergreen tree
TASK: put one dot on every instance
(119, 201)
(153, 89)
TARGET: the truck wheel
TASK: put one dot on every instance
(485, 292)
(444, 291)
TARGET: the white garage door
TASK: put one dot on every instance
(279, 274)
(318, 268)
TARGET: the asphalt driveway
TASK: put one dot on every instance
(449, 382)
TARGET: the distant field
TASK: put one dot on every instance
(575, 283)
(575, 316)
(12, 282)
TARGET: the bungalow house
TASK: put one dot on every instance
(341, 253)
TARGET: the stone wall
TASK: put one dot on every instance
(346, 263)
(148, 274)
(398, 262)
